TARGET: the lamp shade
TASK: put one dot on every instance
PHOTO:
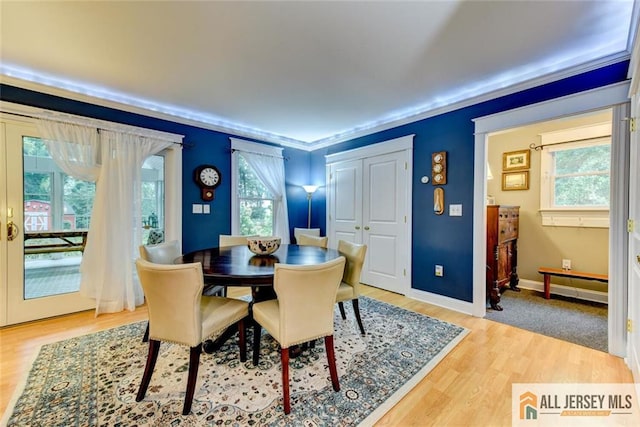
(310, 188)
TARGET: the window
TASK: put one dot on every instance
(575, 177)
(259, 202)
(153, 197)
(53, 200)
(255, 202)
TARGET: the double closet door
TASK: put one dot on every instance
(369, 201)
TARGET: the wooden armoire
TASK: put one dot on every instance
(502, 251)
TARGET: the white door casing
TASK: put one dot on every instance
(633, 333)
(13, 307)
(368, 201)
(18, 309)
(614, 96)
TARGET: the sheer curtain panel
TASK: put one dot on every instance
(113, 159)
(270, 170)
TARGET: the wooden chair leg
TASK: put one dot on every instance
(154, 347)
(145, 337)
(194, 363)
(286, 398)
(331, 359)
(356, 310)
(257, 331)
(342, 313)
(241, 341)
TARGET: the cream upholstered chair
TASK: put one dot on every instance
(297, 232)
(307, 240)
(350, 286)
(226, 240)
(302, 312)
(161, 253)
(179, 313)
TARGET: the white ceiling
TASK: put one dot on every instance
(303, 73)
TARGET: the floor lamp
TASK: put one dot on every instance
(310, 189)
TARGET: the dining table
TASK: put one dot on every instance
(238, 266)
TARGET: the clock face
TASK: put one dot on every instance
(437, 178)
(209, 177)
(437, 158)
(437, 167)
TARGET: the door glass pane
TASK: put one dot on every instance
(153, 199)
(57, 212)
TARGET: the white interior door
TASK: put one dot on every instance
(369, 201)
(384, 221)
(345, 195)
(19, 304)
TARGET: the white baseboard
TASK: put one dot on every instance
(567, 291)
(441, 301)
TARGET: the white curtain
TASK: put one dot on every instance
(73, 147)
(270, 170)
(107, 269)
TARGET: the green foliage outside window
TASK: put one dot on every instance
(582, 176)
(256, 202)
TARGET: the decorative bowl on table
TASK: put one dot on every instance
(263, 245)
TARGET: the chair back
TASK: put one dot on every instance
(173, 293)
(297, 232)
(307, 240)
(354, 253)
(306, 299)
(162, 253)
(226, 240)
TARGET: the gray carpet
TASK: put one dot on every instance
(568, 319)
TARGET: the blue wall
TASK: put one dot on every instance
(441, 239)
(436, 239)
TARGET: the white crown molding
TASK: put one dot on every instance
(325, 142)
(41, 113)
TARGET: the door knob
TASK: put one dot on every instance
(366, 227)
(12, 231)
(357, 227)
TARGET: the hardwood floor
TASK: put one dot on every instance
(470, 387)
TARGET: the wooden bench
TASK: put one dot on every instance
(547, 272)
(57, 241)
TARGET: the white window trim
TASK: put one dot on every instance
(253, 147)
(555, 216)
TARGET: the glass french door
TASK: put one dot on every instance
(44, 217)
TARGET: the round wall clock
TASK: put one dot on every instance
(207, 177)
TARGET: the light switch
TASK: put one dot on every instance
(455, 210)
(197, 208)
(206, 209)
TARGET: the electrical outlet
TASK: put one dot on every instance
(566, 264)
(439, 271)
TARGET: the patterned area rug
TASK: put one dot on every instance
(93, 380)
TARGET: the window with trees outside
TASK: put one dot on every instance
(255, 202)
(53, 200)
(575, 183)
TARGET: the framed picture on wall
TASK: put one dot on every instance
(515, 181)
(516, 160)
